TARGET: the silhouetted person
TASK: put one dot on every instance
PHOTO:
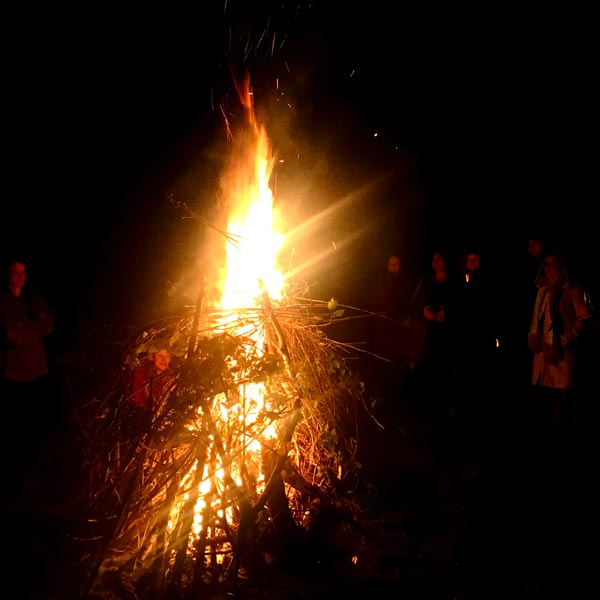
(521, 277)
(25, 320)
(437, 370)
(391, 341)
(477, 322)
(392, 302)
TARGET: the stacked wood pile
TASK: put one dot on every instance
(246, 458)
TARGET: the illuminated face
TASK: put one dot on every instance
(394, 264)
(438, 262)
(473, 262)
(162, 360)
(16, 275)
(552, 267)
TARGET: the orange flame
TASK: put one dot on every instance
(252, 221)
(254, 242)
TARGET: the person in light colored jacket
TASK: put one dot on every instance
(559, 317)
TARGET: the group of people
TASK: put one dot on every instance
(456, 332)
(465, 331)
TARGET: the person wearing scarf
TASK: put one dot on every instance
(559, 317)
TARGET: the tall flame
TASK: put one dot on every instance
(254, 241)
(252, 223)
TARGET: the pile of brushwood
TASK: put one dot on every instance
(246, 463)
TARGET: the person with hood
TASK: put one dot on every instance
(559, 317)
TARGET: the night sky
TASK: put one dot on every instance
(403, 128)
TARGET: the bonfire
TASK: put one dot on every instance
(252, 441)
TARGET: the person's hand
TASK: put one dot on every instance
(428, 314)
(440, 315)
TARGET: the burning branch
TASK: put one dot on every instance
(256, 423)
(182, 493)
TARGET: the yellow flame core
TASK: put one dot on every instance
(251, 269)
(251, 258)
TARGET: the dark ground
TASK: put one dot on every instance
(492, 508)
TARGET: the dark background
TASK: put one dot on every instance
(114, 132)
(400, 128)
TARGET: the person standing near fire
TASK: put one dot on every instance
(436, 371)
(25, 321)
(559, 318)
(477, 334)
(150, 379)
(392, 337)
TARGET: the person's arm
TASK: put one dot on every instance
(26, 333)
(581, 314)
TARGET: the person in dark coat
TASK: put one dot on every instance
(391, 302)
(392, 335)
(436, 370)
(478, 324)
(25, 321)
